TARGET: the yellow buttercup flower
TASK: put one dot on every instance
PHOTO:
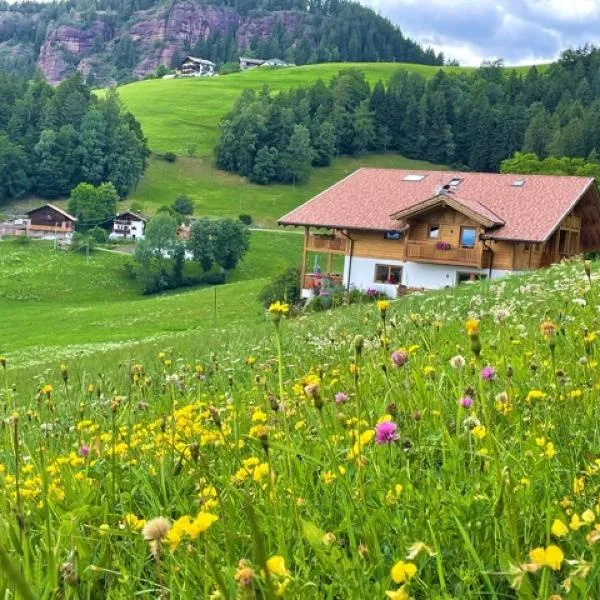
(479, 432)
(559, 529)
(276, 566)
(472, 326)
(551, 557)
(403, 571)
(399, 594)
(383, 306)
(279, 307)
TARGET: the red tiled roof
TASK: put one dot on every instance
(368, 198)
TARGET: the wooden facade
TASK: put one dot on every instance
(50, 220)
(436, 237)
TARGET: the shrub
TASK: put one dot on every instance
(229, 67)
(183, 205)
(98, 234)
(246, 219)
(283, 287)
(169, 157)
(214, 278)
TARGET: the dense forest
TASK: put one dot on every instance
(52, 139)
(321, 31)
(472, 120)
(341, 31)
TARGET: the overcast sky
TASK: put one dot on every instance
(520, 31)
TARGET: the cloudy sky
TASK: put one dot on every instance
(520, 31)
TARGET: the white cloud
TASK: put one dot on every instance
(520, 31)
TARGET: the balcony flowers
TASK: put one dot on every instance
(443, 246)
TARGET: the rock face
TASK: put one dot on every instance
(163, 33)
(65, 47)
(158, 34)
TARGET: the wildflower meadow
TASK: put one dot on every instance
(442, 446)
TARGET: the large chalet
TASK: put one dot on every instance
(401, 229)
(50, 222)
(196, 67)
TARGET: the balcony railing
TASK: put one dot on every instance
(327, 243)
(65, 228)
(431, 252)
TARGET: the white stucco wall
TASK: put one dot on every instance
(362, 273)
(137, 229)
(414, 274)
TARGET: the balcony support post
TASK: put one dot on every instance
(304, 253)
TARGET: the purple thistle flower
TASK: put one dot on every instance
(386, 432)
(488, 373)
(466, 401)
(341, 398)
(84, 451)
(399, 358)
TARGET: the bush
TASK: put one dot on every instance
(229, 67)
(169, 157)
(98, 234)
(214, 278)
(246, 219)
(283, 287)
(183, 205)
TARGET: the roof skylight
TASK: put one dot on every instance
(413, 177)
(518, 183)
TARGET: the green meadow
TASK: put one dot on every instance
(51, 299)
(178, 113)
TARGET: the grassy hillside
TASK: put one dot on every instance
(455, 475)
(52, 299)
(220, 193)
(179, 113)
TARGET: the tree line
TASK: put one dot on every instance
(335, 32)
(469, 120)
(52, 139)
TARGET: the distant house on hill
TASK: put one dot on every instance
(400, 229)
(276, 62)
(50, 222)
(196, 67)
(249, 63)
(128, 225)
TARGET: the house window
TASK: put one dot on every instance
(468, 237)
(388, 274)
(433, 232)
(464, 277)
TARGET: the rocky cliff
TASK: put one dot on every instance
(158, 35)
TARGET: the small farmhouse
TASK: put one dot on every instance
(399, 229)
(128, 225)
(249, 63)
(50, 222)
(196, 67)
(276, 62)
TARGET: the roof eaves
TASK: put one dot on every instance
(282, 220)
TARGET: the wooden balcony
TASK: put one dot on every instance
(428, 252)
(316, 280)
(331, 244)
(66, 228)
